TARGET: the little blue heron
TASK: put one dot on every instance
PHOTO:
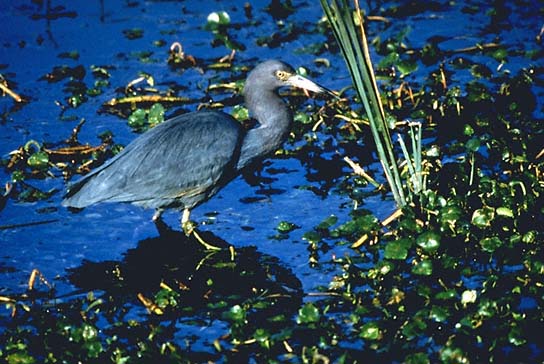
(183, 161)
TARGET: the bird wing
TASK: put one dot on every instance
(180, 158)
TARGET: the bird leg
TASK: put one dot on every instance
(188, 228)
(157, 215)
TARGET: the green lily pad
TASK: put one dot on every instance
(446, 295)
(415, 327)
(137, 118)
(482, 217)
(449, 215)
(156, 114)
(286, 226)
(389, 60)
(423, 268)
(218, 18)
(500, 54)
(504, 211)
(473, 144)
(406, 67)
(38, 160)
(515, 336)
(236, 314)
(468, 130)
(302, 118)
(438, 314)
(490, 244)
(312, 237)
(417, 358)
(240, 113)
(327, 222)
(308, 314)
(397, 249)
(370, 331)
(134, 33)
(429, 241)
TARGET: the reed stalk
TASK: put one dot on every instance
(353, 45)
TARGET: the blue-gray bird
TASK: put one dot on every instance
(185, 160)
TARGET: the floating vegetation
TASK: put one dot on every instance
(219, 23)
(455, 276)
(178, 59)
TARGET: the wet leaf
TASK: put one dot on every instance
(89, 332)
(382, 268)
(17, 176)
(469, 296)
(406, 67)
(448, 216)
(482, 217)
(156, 114)
(133, 33)
(327, 223)
(423, 268)
(75, 100)
(414, 328)
(468, 130)
(236, 314)
(515, 336)
(137, 118)
(500, 54)
(505, 212)
(302, 117)
(417, 358)
(370, 331)
(429, 241)
(286, 227)
(389, 60)
(446, 295)
(312, 237)
(240, 113)
(450, 354)
(308, 314)
(397, 249)
(473, 144)
(438, 314)
(527, 238)
(490, 244)
(263, 337)
(218, 18)
(39, 160)
(479, 71)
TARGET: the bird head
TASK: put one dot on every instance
(274, 74)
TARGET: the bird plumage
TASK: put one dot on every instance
(185, 160)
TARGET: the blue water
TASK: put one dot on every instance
(32, 40)
(45, 236)
(32, 43)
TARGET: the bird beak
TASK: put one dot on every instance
(306, 84)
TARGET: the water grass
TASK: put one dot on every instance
(352, 41)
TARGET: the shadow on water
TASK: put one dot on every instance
(201, 280)
(167, 292)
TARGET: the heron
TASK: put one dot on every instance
(187, 159)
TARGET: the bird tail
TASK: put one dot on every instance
(77, 196)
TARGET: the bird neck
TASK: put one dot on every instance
(274, 119)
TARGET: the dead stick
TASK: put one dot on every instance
(145, 98)
(16, 97)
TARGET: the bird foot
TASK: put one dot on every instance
(189, 228)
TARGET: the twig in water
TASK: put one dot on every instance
(5, 89)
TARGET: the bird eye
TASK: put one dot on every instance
(282, 75)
